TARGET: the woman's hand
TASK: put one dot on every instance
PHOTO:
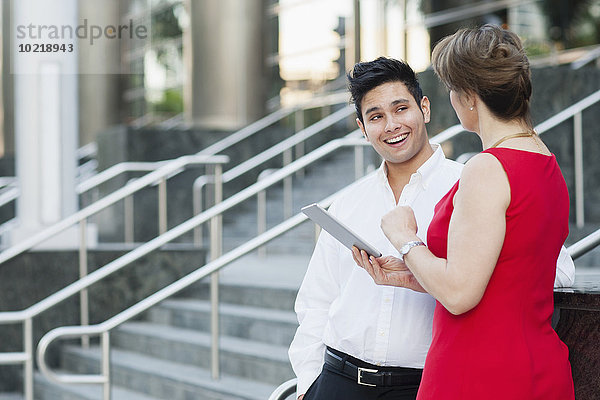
(387, 270)
(400, 226)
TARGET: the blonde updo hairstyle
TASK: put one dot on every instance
(490, 62)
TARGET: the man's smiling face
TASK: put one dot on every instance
(394, 123)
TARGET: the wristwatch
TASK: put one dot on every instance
(407, 246)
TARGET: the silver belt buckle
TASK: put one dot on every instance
(360, 371)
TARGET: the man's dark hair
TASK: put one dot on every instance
(366, 76)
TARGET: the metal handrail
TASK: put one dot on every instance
(173, 168)
(284, 147)
(584, 245)
(87, 150)
(146, 180)
(8, 195)
(26, 316)
(287, 144)
(575, 111)
(447, 134)
(116, 170)
(284, 390)
(230, 140)
(235, 138)
(568, 112)
(154, 244)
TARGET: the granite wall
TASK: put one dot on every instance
(33, 276)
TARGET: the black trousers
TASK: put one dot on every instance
(332, 385)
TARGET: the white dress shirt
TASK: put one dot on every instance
(339, 305)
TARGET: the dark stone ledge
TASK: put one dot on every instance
(578, 326)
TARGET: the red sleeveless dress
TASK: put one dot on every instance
(505, 347)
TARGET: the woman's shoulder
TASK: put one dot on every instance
(482, 165)
(484, 177)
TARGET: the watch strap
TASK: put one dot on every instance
(407, 246)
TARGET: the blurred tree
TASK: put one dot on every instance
(438, 32)
(573, 23)
(172, 102)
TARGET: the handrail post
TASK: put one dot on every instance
(106, 392)
(28, 346)
(215, 252)
(359, 162)
(287, 186)
(298, 126)
(162, 205)
(261, 218)
(128, 217)
(83, 271)
(197, 209)
(578, 161)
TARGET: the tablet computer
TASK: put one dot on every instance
(337, 229)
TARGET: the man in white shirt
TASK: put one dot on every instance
(358, 340)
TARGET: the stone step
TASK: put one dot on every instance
(271, 282)
(238, 357)
(271, 326)
(11, 396)
(255, 294)
(47, 390)
(168, 380)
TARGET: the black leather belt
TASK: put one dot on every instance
(389, 376)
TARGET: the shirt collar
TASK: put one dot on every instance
(425, 171)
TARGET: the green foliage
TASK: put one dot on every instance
(172, 102)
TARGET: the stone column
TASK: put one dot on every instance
(225, 59)
(46, 116)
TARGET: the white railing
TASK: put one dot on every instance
(209, 269)
(575, 111)
(283, 148)
(25, 317)
(285, 390)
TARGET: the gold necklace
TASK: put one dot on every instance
(517, 135)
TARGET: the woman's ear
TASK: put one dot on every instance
(469, 99)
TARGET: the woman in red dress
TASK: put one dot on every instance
(494, 240)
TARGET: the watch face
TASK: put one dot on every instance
(406, 248)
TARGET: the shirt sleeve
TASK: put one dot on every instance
(565, 269)
(320, 287)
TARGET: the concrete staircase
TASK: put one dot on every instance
(166, 354)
